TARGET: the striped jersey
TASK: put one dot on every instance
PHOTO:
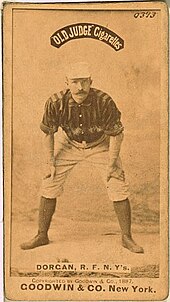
(87, 121)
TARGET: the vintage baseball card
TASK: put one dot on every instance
(85, 100)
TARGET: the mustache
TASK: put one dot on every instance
(81, 92)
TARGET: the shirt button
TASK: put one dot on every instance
(80, 115)
(79, 105)
(82, 132)
(81, 125)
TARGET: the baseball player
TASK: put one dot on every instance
(89, 129)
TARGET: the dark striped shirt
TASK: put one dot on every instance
(88, 121)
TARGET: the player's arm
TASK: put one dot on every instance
(49, 149)
(114, 150)
(49, 126)
(114, 129)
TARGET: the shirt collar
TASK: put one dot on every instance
(87, 102)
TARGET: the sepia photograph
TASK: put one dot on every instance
(86, 151)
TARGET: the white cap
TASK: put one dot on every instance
(78, 70)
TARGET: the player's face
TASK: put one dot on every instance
(79, 88)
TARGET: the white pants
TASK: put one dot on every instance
(68, 155)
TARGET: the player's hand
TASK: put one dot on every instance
(115, 172)
(53, 172)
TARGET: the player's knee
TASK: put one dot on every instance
(119, 191)
(49, 192)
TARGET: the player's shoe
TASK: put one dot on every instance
(37, 241)
(131, 245)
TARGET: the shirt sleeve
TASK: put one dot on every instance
(50, 120)
(111, 119)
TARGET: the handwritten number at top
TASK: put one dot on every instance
(146, 14)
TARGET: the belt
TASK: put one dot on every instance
(84, 144)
